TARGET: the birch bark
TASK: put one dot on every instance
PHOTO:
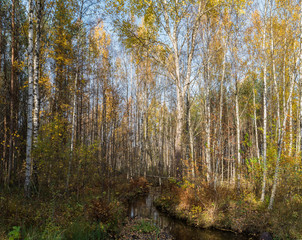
(300, 71)
(220, 120)
(280, 143)
(264, 107)
(12, 94)
(256, 126)
(208, 125)
(36, 87)
(28, 166)
(36, 74)
(238, 134)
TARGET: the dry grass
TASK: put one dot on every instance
(56, 212)
(225, 208)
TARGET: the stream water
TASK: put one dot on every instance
(143, 207)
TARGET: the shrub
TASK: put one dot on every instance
(145, 226)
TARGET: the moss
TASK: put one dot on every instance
(145, 226)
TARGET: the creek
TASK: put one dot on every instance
(143, 207)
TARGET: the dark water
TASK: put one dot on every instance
(143, 207)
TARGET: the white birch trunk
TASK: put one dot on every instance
(274, 68)
(191, 140)
(280, 142)
(36, 75)
(74, 104)
(238, 135)
(256, 126)
(290, 127)
(28, 166)
(300, 71)
(208, 126)
(36, 88)
(182, 83)
(284, 83)
(264, 108)
(220, 120)
(298, 128)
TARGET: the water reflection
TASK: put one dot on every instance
(143, 208)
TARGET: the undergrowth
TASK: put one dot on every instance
(93, 214)
(227, 209)
(145, 226)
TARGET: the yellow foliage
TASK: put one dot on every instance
(100, 41)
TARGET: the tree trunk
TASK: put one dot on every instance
(208, 127)
(28, 167)
(220, 138)
(178, 133)
(264, 108)
(280, 142)
(238, 134)
(12, 94)
(300, 74)
(36, 87)
(272, 47)
(74, 105)
(191, 141)
(297, 137)
(256, 126)
(300, 71)
(36, 74)
(290, 127)
(104, 125)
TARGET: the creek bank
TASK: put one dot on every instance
(222, 209)
(143, 208)
(225, 208)
(185, 217)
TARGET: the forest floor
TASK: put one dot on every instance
(97, 214)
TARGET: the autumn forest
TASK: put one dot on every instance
(106, 104)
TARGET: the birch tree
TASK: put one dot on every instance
(36, 76)
(281, 133)
(221, 107)
(256, 125)
(273, 62)
(13, 96)
(28, 167)
(237, 130)
(264, 104)
(37, 71)
(180, 29)
(74, 99)
(300, 80)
